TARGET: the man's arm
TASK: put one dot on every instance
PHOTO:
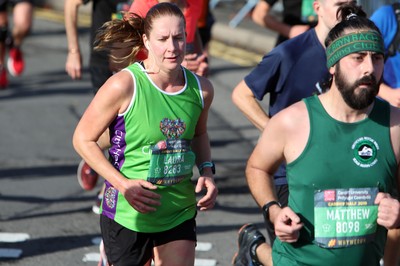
(264, 161)
(262, 16)
(245, 100)
(389, 208)
(389, 94)
(73, 64)
(271, 150)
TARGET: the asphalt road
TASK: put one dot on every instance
(45, 217)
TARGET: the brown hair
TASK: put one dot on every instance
(123, 37)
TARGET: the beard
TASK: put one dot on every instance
(361, 99)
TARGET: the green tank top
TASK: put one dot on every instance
(332, 186)
(151, 141)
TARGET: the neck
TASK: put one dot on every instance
(322, 33)
(170, 81)
(338, 109)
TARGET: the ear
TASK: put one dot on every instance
(316, 6)
(146, 42)
(332, 69)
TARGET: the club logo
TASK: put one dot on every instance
(365, 152)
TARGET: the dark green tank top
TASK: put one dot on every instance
(339, 157)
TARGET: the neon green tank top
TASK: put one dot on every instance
(333, 185)
(151, 141)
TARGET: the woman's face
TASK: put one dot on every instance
(167, 42)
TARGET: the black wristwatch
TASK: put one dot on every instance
(265, 208)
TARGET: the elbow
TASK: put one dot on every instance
(242, 95)
(236, 97)
(76, 143)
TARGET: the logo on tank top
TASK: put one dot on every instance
(110, 196)
(365, 151)
(172, 128)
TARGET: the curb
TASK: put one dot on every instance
(243, 38)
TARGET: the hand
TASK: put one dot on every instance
(208, 201)
(197, 64)
(73, 65)
(388, 210)
(140, 197)
(287, 225)
(297, 30)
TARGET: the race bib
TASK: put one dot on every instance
(171, 161)
(345, 217)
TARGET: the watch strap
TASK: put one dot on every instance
(266, 207)
(206, 164)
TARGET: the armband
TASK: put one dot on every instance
(207, 164)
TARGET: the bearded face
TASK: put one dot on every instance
(360, 94)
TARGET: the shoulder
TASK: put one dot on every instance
(384, 17)
(207, 89)
(120, 84)
(290, 129)
(302, 43)
(382, 11)
(291, 118)
(205, 83)
(293, 45)
(297, 46)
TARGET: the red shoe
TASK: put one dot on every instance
(3, 78)
(87, 177)
(15, 62)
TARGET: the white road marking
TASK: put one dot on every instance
(201, 246)
(204, 262)
(13, 237)
(91, 257)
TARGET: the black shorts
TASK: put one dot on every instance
(4, 3)
(282, 192)
(127, 247)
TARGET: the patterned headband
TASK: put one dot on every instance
(352, 43)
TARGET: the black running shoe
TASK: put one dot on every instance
(248, 236)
